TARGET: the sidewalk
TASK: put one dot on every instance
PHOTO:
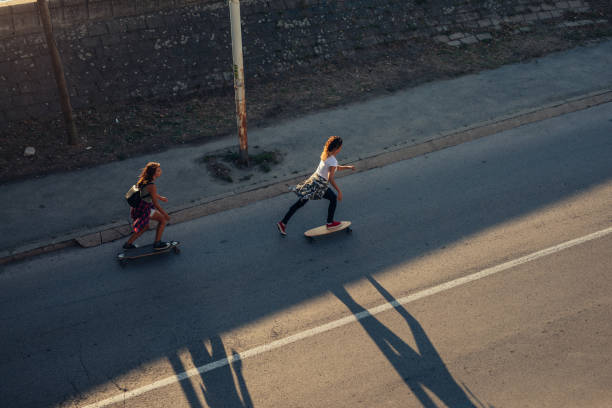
(88, 206)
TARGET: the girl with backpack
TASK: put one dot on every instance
(317, 185)
(148, 207)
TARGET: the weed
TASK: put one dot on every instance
(231, 157)
(219, 170)
(266, 157)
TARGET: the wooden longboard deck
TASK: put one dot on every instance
(146, 250)
(322, 230)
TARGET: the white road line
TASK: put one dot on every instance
(349, 319)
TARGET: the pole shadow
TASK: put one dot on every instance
(217, 386)
(421, 368)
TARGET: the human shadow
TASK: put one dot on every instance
(421, 368)
(236, 270)
(217, 385)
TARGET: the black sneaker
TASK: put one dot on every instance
(159, 245)
(129, 246)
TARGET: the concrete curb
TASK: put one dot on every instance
(240, 198)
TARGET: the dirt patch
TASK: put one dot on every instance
(219, 170)
(118, 132)
(223, 164)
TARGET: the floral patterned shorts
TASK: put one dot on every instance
(313, 188)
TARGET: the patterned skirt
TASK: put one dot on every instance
(141, 215)
(313, 188)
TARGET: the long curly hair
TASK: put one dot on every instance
(147, 174)
(332, 144)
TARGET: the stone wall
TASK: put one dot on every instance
(117, 51)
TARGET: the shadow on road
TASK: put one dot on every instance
(421, 368)
(235, 269)
(217, 386)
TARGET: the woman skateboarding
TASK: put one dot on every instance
(148, 208)
(317, 185)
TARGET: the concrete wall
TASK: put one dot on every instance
(115, 51)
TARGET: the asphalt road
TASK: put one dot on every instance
(78, 329)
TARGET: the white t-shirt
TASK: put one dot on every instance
(323, 169)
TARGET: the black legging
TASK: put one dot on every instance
(329, 195)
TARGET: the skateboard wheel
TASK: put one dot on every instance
(177, 250)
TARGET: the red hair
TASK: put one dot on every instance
(332, 144)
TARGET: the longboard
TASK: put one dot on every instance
(146, 250)
(323, 230)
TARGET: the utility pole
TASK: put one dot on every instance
(241, 120)
(58, 70)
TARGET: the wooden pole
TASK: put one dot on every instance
(241, 119)
(58, 70)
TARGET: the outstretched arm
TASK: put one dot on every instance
(346, 167)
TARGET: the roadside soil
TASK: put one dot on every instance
(118, 132)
